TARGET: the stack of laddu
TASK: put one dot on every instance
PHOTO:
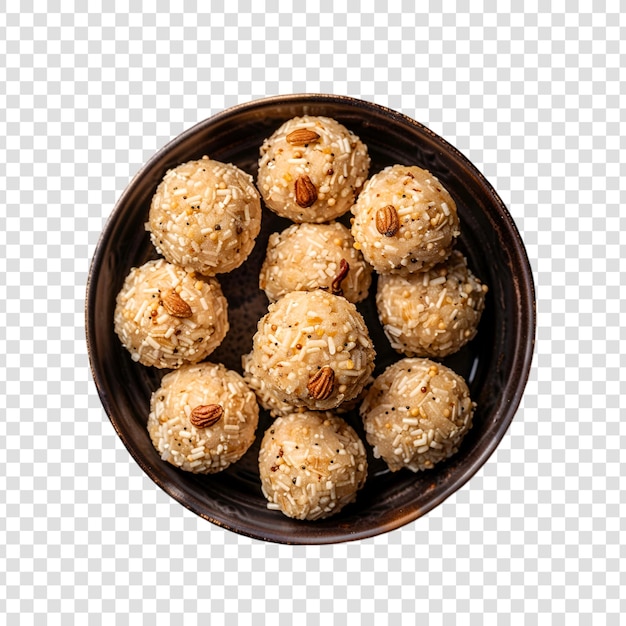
(312, 357)
(171, 313)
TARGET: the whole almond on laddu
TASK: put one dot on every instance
(206, 415)
(175, 305)
(322, 383)
(302, 136)
(305, 191)
(387, 222)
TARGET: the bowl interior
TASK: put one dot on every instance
(495, 364)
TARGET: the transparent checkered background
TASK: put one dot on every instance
(533, 98)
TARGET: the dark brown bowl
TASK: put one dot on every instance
(496, 364)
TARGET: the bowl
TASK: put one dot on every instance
(495, 364)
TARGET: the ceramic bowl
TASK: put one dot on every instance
(495, 364)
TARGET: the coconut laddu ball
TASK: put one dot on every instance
(416, 414)
(279, 402)
(202, 418)
(404, 220)
(311, 465)
(311, 349)
(311, 169)
(205, 216)
(166, 316)
(306, 257)
(433, 313)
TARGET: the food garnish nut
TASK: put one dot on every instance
(344, 268)
(175, 305)
(322, 383)
(206, 415)
(302, 136)
(387, 222)
(306, 193)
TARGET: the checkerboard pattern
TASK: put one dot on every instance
(532, 93)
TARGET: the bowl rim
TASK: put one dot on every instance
(526, 335)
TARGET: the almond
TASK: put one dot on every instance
(306, 193)
(322, 383)
(344, 268)
(387, 222)
(302, 136)
(175, 305)
(206, 415)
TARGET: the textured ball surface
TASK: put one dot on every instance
(306, 257)
(404, 220)
(312, 349)
(433, 313)
(205, 216)
(311, 169)
(416, 414)
(202, 418)
(166, 316)
(311, 465)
